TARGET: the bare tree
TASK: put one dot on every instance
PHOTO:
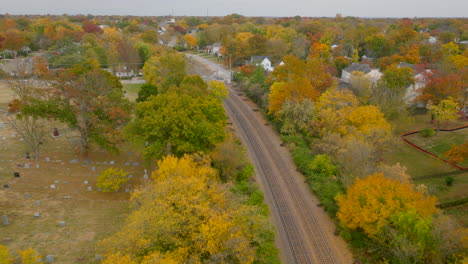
(32, 129)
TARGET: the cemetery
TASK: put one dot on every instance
(52, 204)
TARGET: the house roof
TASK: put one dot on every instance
(365, 68)
(405, 64)
(259, 59)
(216, 45)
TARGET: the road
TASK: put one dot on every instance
(305, 233)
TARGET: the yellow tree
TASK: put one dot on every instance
(191, 41)
(367, 118)
(187, 217)
(218, 89)
(297, 89)
(5, 257)
(446, 110)
(369, 203)
(29, 256)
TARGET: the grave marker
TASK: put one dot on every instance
(52, 186)
(37, 215)
(5, 220)
(16, 174)
(50, 259)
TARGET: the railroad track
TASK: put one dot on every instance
(304, 233)
(297, 239)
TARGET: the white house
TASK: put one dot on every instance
(216, 49)
(372, 74)
(264, 61)
(414, 90)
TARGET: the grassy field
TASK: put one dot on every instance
(442, 142)
(132, 90)
(89, 215)
(427, 170)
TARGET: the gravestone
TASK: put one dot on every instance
(47, 159)
(90, 188)
(61, 223)
(6, 186)
(7, 240)
(50, 259)
(74, 161)
(21, 139)
(37, 215)
(104, 163)
(85, 182)
(27, 155)
(3, 138)
(27, 195)
(127, 163)
(5, 220)
(56, 181)
(111, 162)
(27, 165)
(98, 257)
(127, 190)
(136, 164)
(16, 174)
(99, 189)
(19, 165)
(93, 168)
(130, 176)
(146, 174)
(56, 132)
(67, 197)
(37, 166)
(38, 203)
(52, 186)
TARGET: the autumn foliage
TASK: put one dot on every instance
(369, 203)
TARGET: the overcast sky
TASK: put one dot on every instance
(361, 8)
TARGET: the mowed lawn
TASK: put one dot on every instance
(427, 170)
(89, 214)
(131, 90)
(442, 142)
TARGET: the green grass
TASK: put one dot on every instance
(132, 90)
(442, 142)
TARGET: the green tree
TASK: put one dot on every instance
(89, 101)
(146, 91)
(166, 70)
(178, 124)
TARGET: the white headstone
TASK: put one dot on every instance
(93, 168)
(61, 223)
(90, 188)
(85, 182)
(47, 159)
(38, 203)
(3, 138)
(146, 174)
(52, 186)
(37, 166)
(50, 259)
(37, 215)
(111, 162)
(27, 165)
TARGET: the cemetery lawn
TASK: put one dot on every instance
(89, 215)
(427, 170)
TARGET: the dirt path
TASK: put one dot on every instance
(304, 231)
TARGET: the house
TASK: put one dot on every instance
(414, 90)
(372, 74)
(122, 71)
(216, 47)
(263, 61)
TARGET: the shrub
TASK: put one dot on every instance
(111, 180)
(427, 132)
(322, 164)
(449, 180)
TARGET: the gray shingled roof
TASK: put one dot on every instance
(258, 59)
(405, 64)
(365, 68)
